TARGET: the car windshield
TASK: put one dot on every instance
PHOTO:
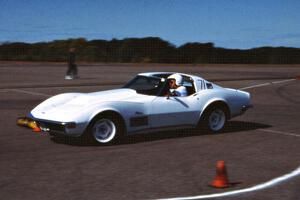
(148, 85)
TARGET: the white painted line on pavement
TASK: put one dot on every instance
(262, 186)
(279, 132)
(266, 84)
(255, 86)
(28, 92)
(283, 81)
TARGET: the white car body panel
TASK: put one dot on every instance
(168, 112)
(155, 111)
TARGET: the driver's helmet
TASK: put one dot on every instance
(178, 79)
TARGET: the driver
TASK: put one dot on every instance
(175, 83)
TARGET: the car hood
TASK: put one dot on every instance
(82, 99)
(65, 106)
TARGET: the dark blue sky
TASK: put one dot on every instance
(227, 23)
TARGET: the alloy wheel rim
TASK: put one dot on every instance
(216, 120)
(104, 130)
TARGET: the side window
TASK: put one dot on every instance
(202, 85)
(189, 84)
(209, 86)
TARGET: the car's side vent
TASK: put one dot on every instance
(139, 121)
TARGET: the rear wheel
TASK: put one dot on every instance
(214, 119)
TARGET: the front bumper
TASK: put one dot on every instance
(51, 126)
(58, 128)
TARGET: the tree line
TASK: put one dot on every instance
(145, 50)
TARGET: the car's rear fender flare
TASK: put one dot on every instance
(215, 103)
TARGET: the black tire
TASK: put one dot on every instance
(214, 119)
(105, 129)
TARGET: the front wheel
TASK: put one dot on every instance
(105, 129)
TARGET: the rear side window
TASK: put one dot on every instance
(209, 86)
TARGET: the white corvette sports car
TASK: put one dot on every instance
(144, 103)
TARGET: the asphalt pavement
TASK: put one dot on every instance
(258, 146)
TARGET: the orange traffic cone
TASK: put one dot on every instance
(37, 129)
(34, 126)
(221, 179)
